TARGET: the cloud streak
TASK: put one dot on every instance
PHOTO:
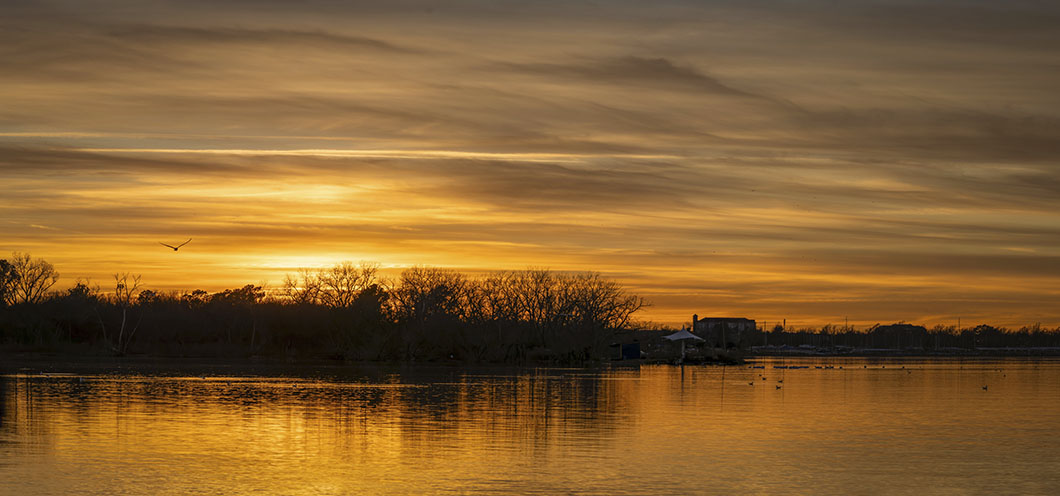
(189, 35)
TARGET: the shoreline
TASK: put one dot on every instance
(59, 362)
(984, 352)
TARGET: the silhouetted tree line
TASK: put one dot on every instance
(346, 311)
(911, 337)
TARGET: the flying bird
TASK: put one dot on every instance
(175, 248)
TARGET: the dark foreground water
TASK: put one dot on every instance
(862, 427)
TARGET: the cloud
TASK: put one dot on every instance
(285, 38)
(932, 133)
(656, 72)
(62, 161)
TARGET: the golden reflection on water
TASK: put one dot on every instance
(896, 427)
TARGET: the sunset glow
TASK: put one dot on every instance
(867, 161)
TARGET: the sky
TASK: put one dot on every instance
(819, 162)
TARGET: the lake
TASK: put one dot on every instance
(830, 426)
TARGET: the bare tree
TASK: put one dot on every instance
(607, 302)
(302, 288)
(126, 293)
(426, 292)
(33, 278)
(537, 293)
(431, 303)
(8, 276)
(342, 284)
(126, 288)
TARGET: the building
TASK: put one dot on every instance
(726, 332)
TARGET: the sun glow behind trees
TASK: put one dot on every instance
(343, 311)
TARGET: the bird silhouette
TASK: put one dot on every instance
(175, 248)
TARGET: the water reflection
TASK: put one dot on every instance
(839, 426)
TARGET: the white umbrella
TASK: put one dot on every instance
(682, 336)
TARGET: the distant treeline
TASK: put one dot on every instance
(904, 336)
(346, 311)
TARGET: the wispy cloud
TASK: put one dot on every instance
(403, 154)
(288, 38)
(657, 72)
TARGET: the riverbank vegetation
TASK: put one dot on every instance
(345, 311)
(350, 312)
(908, 338)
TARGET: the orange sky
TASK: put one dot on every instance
(871, 161)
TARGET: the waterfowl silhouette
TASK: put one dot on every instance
(175, 248)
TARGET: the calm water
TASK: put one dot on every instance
(868, 427)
